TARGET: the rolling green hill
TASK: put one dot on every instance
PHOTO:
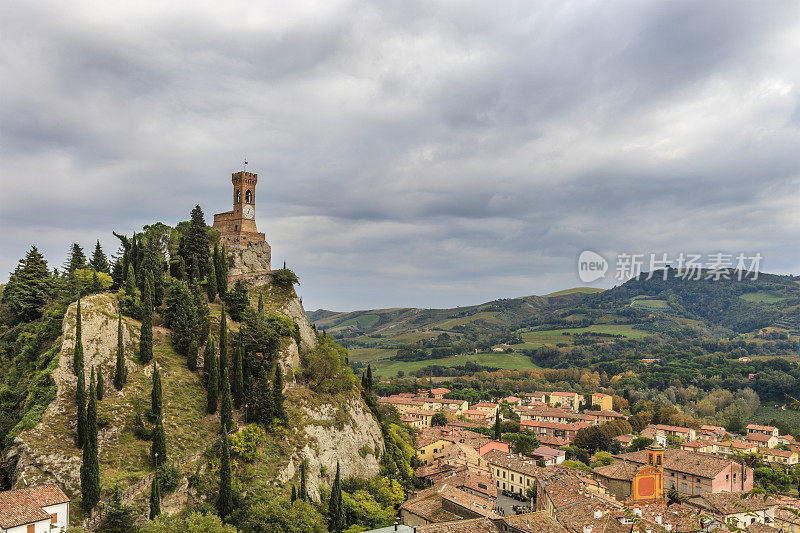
(408, 339)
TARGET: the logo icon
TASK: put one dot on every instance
(591, 266)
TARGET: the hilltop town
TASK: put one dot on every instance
(512, 465)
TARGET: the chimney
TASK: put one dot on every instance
(587, 528)
(598, 513)
(659, 519)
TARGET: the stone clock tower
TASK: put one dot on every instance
(238, 227)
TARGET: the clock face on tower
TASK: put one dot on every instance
(248, 211)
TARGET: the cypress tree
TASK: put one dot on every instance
(77, 357)
(208, 358)
(260, 303)
(130, 281)
(277, 394)
(211, 281)
(294, 493)
(80, 401)
(221, 270)
(191, 358)
(225, 408)
(238, 375)
(90, 468)
(199, 313)
(146, 336)
(101, 384)
(182, 317)
(303, 473)
(369, 377)
(155, 394)
(223, 343)
(155, 497)
(120, 372)
(335, 509)
(212, 387)
(497, 433)
(158, 450)
(225, 499)
(91, 413)
(264, 412)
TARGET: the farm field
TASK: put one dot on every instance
(650, 303)
(761, 297)
(497, 360)
(488, 316)
(363, 322)
(574, 290)
(557, 335)
(370, 354)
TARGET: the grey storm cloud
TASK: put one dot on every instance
(410, 153)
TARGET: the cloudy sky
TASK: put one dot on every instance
(427, 153)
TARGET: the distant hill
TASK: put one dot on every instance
(405, 339)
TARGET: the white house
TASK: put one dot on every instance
(40, 509)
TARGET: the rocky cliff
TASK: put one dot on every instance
(47, 452)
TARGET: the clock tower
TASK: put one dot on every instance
(238, 227)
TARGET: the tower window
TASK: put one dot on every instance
(238, 197)
(248, 197)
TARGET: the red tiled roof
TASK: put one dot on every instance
(24, 506)
(756, 427)
(758, 437)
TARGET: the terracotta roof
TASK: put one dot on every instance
(727, 503)
(674, 429)
(693, 463)
(536, 522)
(485, 404)
(606, 412)
(758, 527)
(566, 394)
(523, 465)
(476, 525)
(474, 504)
(544, 451)
(24, 506)
(756, 427)
(622, 470)
(553, 441)
(758, 437)
(428, 505)
(779, 453)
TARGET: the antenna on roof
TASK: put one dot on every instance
(244, 167)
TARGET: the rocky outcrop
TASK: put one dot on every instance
(294, 310)
(256, 257)
(46, 452)
(345, 433)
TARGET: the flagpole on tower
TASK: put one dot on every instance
(244, 168)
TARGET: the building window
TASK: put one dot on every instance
(248, 197)
(238, 197)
